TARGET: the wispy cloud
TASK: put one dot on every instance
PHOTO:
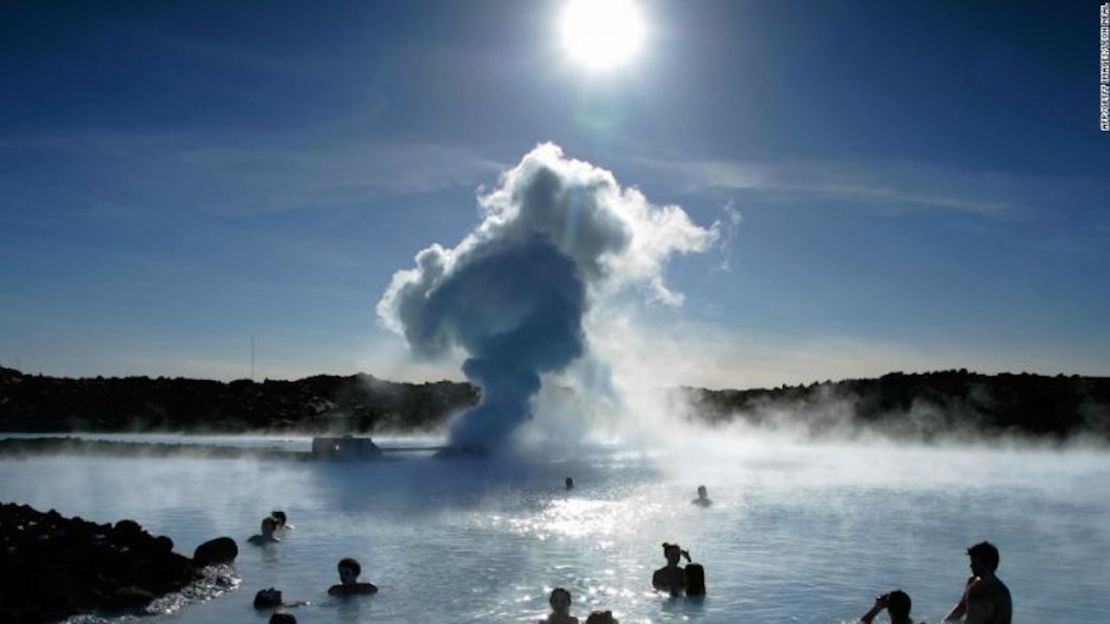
(270, 174)
(895, 187)
(344, 172)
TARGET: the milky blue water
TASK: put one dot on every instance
(798, 533)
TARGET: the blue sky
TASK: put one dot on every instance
(922, 184)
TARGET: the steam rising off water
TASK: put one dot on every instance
(797, 532)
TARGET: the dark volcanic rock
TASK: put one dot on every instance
(356, 403)
(52, 567)
(219, 550)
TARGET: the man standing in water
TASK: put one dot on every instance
(986, 599)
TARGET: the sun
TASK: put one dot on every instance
(602, 34)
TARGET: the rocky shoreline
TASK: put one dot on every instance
(13, 448)
(53, 567)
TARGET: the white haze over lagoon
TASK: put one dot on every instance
(798, 532)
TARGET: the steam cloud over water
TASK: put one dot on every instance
(557, 236)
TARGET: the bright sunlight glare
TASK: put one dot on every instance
(602, 34)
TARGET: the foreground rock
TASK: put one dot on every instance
(219, 550)
(52, 567)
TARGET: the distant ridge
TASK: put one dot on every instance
(355, 403)
(920, 405)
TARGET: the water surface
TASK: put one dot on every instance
(797, 533)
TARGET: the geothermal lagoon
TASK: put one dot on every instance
(797, 532)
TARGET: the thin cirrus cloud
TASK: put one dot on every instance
(893, 187)
(343, 173)
(283, 174)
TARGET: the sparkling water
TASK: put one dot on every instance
(797, 532)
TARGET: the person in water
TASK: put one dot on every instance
(671, 577)
(349, 569)
(269, 525)
(271, 598)
(897, 604)
(282, 618)
(601, 617)
(569, 483)
(703, 497)
(282, 520)
(560, 608)
(267, 599)
(695, 579)
(986, 598)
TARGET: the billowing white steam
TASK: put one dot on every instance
(557, 236)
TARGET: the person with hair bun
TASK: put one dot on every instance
(671, 577)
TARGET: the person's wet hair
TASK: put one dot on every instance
(279, 516)
(271, 522)
(267, 598)
(695, 580)
(985, 552)
(600, 617)
(283, 618)
(675, 548)
(351, 563)
(557, 591)
(898, 604)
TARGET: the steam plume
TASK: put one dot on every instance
(557, 236)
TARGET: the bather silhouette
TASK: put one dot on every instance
(349, 569)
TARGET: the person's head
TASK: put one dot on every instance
(560, 600)
(279, 516)
(898, 605)
(673, 553)
(601, 617)
(702, 492)
(984, 558)
(283, 618)
(349, 569)
(266, 598)
(269, 525)
(569, 483)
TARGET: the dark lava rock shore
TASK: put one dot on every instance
(69, 445)
(53, 567)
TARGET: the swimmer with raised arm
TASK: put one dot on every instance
(269, 525)
(560, 608)
(986, 598)
(897, 604)
(703, 497)
(671, 577)
(349, 569)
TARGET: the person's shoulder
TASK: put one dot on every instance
(353, 590)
